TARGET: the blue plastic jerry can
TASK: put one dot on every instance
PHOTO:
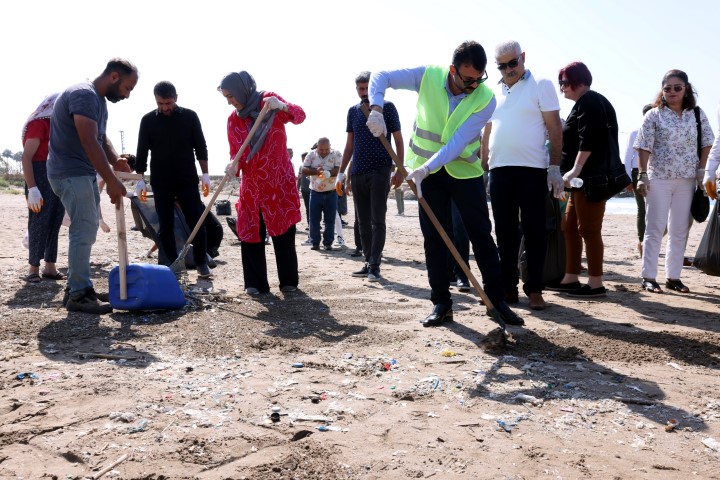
(149, 287)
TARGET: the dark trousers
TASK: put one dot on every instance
(306, 202)
(518, 195)
(323, 205)
(460, 240)
(371, 194)
(469, 195)
(44, 226)
(356, 232)
(255, 263)
(640, 201)
(188, 197)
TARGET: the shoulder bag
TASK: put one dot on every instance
(700, 206)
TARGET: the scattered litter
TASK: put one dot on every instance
(140, 427)
(528, 399)
(447, 353)
(433, 415)
(347, 356)
(127, 417)
(328, 428)
(298, 365)
(637, 401)
(567, 409)
(24, 375)
(711, 443)
(674, 365)
(671, 425)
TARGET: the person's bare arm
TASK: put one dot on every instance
(87, 130)
(397, 178)
(554, 128)
(347, 152)
(29, 150)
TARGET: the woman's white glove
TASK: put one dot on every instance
(417, 176)
(35, 200)
(206, 184)
(274, 103)
(141, 189)
(555, 182)
(376, 123)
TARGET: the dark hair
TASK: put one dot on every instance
(121, 66)
(165, 89)
(363, 77)
(689, 98)
(130, 160)
(303, 155)
(470, 53)
(314, 146)
(647, 108)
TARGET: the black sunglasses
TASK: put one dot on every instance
(677, 88)
(511, 64)
(564, 83)
(468, 83)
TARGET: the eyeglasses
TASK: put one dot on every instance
(677, 88)
(512, 64)
(564, 83)
(468, 83)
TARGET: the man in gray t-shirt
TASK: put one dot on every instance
(79, 148)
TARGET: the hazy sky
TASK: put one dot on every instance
(310, 52)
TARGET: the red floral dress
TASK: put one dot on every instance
(268, 182)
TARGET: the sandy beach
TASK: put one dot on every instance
(618, 388)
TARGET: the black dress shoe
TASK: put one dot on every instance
(356, 253)
(440, 314)
(510, 317)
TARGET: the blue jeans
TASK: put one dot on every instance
(323, 203)
(81, 197)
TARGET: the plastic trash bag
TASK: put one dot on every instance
(707, 258)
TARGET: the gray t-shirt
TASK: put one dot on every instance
(66, 157)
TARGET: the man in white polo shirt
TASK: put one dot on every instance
(322, 166)
(514, 150)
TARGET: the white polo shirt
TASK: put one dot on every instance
(518, 133)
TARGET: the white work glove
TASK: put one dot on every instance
(709, 185)
(376, 123)
(643, 184)
(417, 176)
(141, 190)
(274, 103)
(340, 179)
(555, 182)
(231, 169)
(35, 200)
(206, 184)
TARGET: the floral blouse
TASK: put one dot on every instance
(672, 142)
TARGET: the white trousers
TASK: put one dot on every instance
(338, 226)
(668, 205)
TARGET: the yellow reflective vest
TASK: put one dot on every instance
(434, 127)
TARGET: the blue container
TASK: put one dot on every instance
(149, 287)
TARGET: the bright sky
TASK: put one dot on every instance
(310, 52)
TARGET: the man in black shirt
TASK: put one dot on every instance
(175, 137)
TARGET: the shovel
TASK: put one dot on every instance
(491, 310)
(178, 266)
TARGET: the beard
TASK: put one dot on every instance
(113, 93)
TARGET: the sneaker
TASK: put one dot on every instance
(288, 288)
(462, 285)
(586, 291)
(91, 293)
(252, 291)
(307, 242)
(374, 275)
(362, 272)
(356, 253)
(86, 304)
(328, 248)
(203, 271)
(340, 242)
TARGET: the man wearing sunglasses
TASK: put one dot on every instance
(454, 105)
(520, 178)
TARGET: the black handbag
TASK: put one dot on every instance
(700, 206)
(613, 178)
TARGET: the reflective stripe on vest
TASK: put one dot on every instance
(434, 127)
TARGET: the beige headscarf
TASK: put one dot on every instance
(44, 110)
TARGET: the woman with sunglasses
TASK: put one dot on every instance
(669, 168)
(585, 143)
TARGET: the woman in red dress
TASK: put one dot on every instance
(268, 198)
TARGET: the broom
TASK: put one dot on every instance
(491, 310)
(178, 266)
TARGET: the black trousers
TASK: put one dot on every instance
(44, 226)
(469, 196)
(518, 197)
(188, 197)
(371, 194)
(255, 263)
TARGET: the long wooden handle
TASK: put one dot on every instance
(122, 246)
(224, 180)
(456, 255)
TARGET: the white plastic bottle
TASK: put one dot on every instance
(576, 182)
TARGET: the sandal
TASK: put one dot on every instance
(53, 276)
(651, 286)
(33, 278)
(676, 285)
